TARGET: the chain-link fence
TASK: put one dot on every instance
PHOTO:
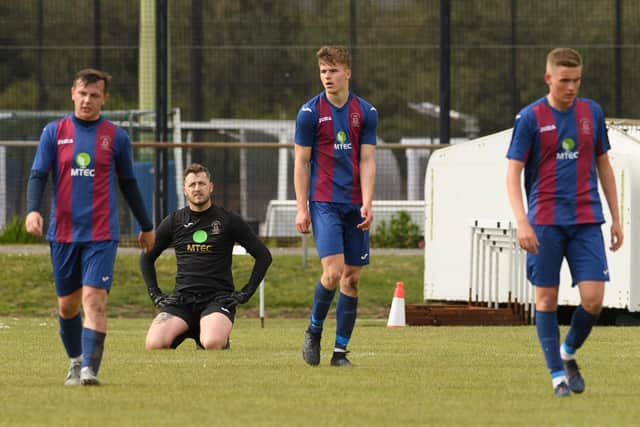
(251, 173)
(254, 61)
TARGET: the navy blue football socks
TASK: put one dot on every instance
(322, 298)
(92, 346)
(549, 337)
(581, 324)
(346, 312)
(71, 335)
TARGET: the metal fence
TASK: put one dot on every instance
(252, 169)
(254, 61)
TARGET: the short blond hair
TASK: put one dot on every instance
(334, 55)
(563, 57)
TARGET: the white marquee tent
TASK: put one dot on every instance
(465, 186)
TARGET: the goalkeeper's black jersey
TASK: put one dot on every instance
(203, 244)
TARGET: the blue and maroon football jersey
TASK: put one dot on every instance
(559, 149)
(85, 161)
(335, 135)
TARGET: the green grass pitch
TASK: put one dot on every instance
(463, 376)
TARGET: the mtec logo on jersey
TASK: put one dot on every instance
(342, 143)
(199, 237)
(568, 145)
(83, 160)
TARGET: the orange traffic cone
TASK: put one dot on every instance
(396, 314)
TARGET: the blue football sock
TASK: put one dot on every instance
(92, 347)
(71, 335)
(346, 312)
(581, 324)
(549, 337)
(322, 298)
(566, 352)
(557, 377)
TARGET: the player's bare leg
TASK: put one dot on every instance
(215, 329)
(163, 330)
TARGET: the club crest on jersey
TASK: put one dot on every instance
(585, 127)
(355, 120)
(82, 161)
(105, 142)
(216, 227)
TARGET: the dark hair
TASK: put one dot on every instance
(334, 55)
(91, 75)
(197, 168)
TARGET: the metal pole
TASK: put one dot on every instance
(354, 42)
(161, 134)
(97, 33)
(445, 67)
(472, 256)
(515, 95)
(197, 99)
(482, 268)
(244, 179)
(498, 251)
(305, 251)
(42, 92)
(261, 304)
(476, 282)
(618, 60)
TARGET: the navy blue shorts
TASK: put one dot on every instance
(335, 231)
(85, 263)
(583, 247)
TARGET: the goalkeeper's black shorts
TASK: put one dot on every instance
(192, 307)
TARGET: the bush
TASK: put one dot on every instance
(400, 232)
(15, 232)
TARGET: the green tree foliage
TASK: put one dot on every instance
(15, 232)
(259, 62)
(399, 232)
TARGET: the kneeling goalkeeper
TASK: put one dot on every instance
(203, 303)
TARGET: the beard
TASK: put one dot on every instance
(199, 203)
